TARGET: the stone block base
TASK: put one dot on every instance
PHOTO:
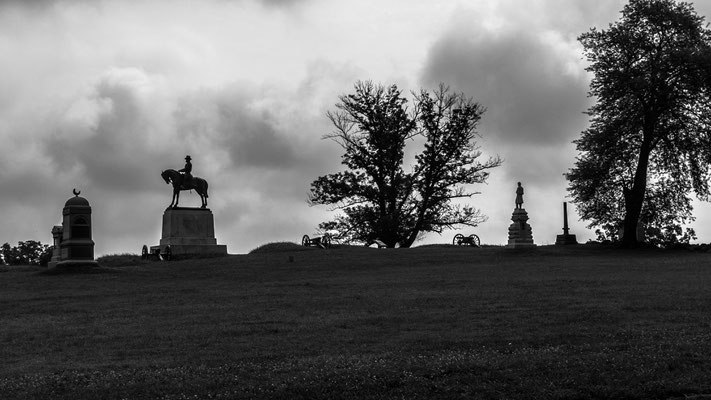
(565, 239)
(189, 232)
(192, 249)
(520, 232)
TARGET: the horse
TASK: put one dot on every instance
(176, 178)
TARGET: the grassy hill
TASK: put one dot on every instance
(433, 322)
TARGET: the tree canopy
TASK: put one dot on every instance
(30, 252)
(648, 145)
(378, 198)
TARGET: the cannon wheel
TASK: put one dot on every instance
(475, 240)
(305, 241)
(326, 241)
(458, 238)
(167, 254)
(144, 252)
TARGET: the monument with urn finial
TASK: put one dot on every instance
(74, 246)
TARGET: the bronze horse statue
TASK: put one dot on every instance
(176, 178)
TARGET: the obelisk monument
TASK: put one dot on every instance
(566, 237)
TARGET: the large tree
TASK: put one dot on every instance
(648, 145)
(378, 198)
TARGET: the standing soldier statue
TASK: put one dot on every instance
(519, 196)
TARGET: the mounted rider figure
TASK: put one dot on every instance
(187, 173)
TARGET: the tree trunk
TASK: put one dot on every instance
(634, 198)
(412, 236)
(407, 243)
(633, 209)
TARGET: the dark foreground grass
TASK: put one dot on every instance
(437, 322)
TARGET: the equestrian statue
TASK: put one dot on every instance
(184, 180)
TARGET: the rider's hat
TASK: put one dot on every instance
(188, 158)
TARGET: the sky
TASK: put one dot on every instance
(102, 96)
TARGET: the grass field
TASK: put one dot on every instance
(433, 322)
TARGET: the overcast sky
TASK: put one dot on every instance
(103, 95)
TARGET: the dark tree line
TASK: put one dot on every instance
(29, 252)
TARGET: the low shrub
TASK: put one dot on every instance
(121, 260)
(278, 247)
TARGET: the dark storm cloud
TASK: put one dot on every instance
(255, 141)
(533, 87)
(111, 145)
(238, 124)
(25, 185)
(523, 82)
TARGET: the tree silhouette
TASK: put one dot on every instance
(378, 198)
(649, 141)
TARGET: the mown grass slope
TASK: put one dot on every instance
(433, 322)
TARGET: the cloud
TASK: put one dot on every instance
(37, 4)
(284, 3)
(241, 124)
(114, 133)
(525, 82)
(531, 81)
(40, 4)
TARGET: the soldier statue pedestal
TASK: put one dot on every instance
(189, 232)
(520, 232)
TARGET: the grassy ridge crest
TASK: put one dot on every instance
(352, 322)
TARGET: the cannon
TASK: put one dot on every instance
(165, 255)
(471, 240)
(321, 242)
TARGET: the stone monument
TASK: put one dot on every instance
(566, 237)
(73, 243)
(187, 231)
(57, 233)
(520, 232)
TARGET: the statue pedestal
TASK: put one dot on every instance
(189, 231)
(520, 233)
(565, 239)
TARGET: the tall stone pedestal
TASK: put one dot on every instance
(189, 231)
(520, 232)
